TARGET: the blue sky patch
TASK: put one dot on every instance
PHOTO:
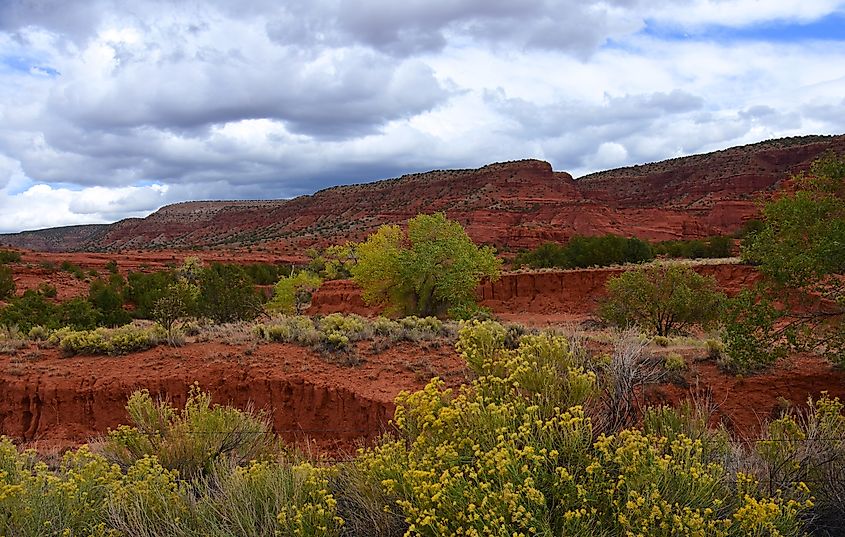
(27, 65)
(829, 28)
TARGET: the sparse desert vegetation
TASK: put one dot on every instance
(625, 420)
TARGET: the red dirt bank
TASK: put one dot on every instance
(555, 294)
(52, 402)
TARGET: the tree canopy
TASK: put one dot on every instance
(800, 249)
(432, 268)
(662, 299)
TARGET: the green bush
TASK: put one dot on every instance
(75, 270)
(711, 247)
(191, 440)
(7, 283)
(107, 299)
(674, 362)
(284, 329)
(587, 251)
(47, 290)
(662, 299)
(227, 294)
(28, 310)
(143, 290)
(9, 256)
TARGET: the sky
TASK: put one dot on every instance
(111, 109)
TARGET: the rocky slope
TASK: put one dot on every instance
(511, 205)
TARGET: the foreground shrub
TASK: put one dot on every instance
(111, 341)
(191, 440)
(803, 452)
(500, 457)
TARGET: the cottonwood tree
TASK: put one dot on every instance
(433, 268)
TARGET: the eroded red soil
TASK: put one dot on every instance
(48, 401)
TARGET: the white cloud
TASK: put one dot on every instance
(266, 99)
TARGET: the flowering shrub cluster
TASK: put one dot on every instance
(514, 452)
(111, 341)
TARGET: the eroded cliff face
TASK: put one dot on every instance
(574, 292)
(50, 401)
(68, 411)
(511, 205)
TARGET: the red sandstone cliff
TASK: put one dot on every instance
(511, 205)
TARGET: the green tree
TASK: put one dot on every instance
(662, 299)
(292, 293)
(178, 302)
(800, 250)
(433, 268)
(7, 283)
(107, 298)
(77, 313)
(227, 294)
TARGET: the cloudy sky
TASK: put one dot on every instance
(110, 109)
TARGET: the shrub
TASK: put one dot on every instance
(712, 247)
(585, 251)
(27, 311)
(805, 452)
(143, 290)
(111, 341)
(661, 341)
(191, 440)
(7, 283)
(75, 270)
(77, 313)
(674, 362)
(495, 458)
(663, 299)
(47, 290)
(107, 299)
(9, 256)
(178, 302)
(292, 294)
(299, 329)
(227, 294)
